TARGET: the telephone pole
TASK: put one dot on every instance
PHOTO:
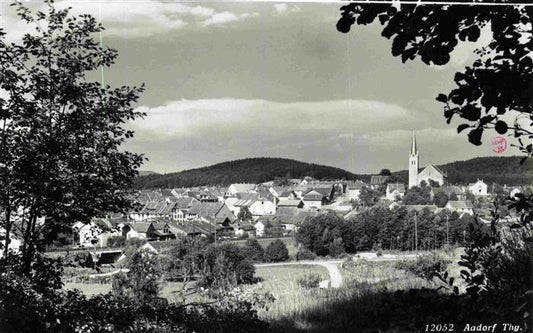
(447, 230)
(416, 236)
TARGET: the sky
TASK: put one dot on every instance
(232, 80)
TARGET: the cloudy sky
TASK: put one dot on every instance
(233, 80)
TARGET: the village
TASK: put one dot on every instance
(272, 210)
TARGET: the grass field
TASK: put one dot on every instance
(281, 282)
(170, 290)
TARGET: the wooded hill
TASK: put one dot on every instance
(249, 170)
(501, 170)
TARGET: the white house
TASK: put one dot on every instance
(88, 234)
(259, 229)
(313, 199)
(262, 207)
(394, 191)
(478, 188)
(353, 190)
(233, 189)
(460, 207)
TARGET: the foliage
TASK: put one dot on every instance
(440, 199)
(141, 283)
(309, 281)
(186, 258)
(276, 251)
(425, 266)
(244, 214)
(318, 232)
(253, 251)
(225, 266)
(494, 169)
(368, 197)
(250, 170)
(116, 241)
(489, 92)
(61, 133)
(305, 254)
(417, 195)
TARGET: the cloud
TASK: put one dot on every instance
(283, 9)
(359, 135)
(134, 18)
(225, 17)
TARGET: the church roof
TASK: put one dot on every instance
(413, 145)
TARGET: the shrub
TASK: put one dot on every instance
(309, 281)
(305, 254)
(425, 266)
(116, 241)
(225, 266)
(276, 251)
(253, 251)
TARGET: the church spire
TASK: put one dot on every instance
(413, 145)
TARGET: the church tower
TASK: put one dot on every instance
(413, 164)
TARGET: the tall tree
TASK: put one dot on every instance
(498, 84)
(60, 134)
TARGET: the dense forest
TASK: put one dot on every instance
(250, 170)
(501, 170)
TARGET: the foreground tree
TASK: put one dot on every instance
(60, 134)
(498, 83)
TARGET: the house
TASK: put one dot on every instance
(242, 228)
(295, 203)
(165, 208)
(88, 233)
(209, 211)
(354, 189)
(377, 181)
(288, 195)
(136, 230)
(451, 191)
(460, 206)
(262, 207)
(233, 189)
(314, 199)
(395, 191)
(159, 231)
(478, 188)
(292, 215)
(259, 229)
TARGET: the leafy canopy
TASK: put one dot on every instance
(495, 91)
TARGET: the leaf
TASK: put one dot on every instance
(501, 127)
(470, 112)
(462, 127)
(442, 98)
(475, 136)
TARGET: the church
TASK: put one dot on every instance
(429, 172)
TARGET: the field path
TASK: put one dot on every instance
(335, 275)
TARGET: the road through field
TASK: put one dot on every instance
(335, 275)
(332, 265)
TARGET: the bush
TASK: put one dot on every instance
(305, 254)
(253, 251)
(309, 281)
(225, 266)
(425, 266)
(276, 251)
(116, 241)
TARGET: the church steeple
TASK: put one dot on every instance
(413, 163)
(414, 151)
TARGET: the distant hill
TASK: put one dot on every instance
(146, 173)
(250, 170)
(501, 170)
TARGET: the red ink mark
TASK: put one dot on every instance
(499, 144)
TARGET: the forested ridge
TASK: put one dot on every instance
(249, 170)
(501, 170)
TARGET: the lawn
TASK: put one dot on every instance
(170, 290)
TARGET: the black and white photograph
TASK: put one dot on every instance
(266, 166)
